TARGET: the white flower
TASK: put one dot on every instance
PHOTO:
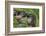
(29, 19)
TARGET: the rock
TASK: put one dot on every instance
(18, 17)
